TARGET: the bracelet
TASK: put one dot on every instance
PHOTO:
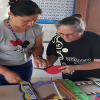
(38, 56)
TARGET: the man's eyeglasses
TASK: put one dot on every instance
(61, 34)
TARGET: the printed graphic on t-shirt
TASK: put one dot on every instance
(65, 58)
(59, 46)
(20, 46)
(78, 61)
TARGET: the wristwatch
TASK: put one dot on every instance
(38, 56)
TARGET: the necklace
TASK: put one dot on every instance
(17, 39)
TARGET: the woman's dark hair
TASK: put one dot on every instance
(75, 21)
(24, 7)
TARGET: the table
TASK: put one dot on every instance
(11, 92)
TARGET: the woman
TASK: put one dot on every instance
(20, 37)
(78, 50)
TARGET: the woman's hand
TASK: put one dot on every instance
(40, 61)
(12, 77)
(68, 69)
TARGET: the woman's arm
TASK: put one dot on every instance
(52, 59)
(88, 66)
(37, 52)
(38, 48)
(3, 70)
(10, 76)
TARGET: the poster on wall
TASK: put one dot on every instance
(54, 10)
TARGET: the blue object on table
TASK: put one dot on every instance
(98, 95)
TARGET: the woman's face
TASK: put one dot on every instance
(68, 33)
(24, 22)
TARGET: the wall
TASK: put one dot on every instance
(49, 29)
(3, 9)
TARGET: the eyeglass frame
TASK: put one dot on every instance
(73, 34)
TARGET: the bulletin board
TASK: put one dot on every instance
(54, 10)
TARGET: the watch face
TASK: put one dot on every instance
(38, 56)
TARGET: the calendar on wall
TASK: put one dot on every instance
(54, 10)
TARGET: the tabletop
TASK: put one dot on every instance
(11, 92)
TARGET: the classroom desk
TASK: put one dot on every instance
(11, 92)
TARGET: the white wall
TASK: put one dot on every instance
(49, 29)
(4, 9)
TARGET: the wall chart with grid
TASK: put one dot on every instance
(54, 10)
